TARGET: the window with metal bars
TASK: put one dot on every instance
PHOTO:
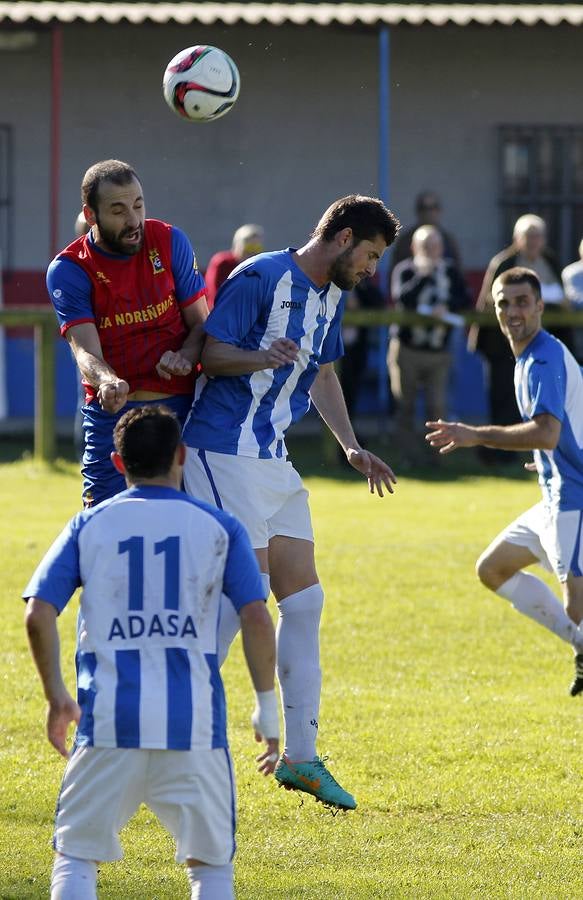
(541, 171)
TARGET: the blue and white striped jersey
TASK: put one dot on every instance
(265, 298)
(152, 563)
(548, 379)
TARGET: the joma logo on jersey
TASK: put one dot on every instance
(290, 304)
(157, 266)
(166, 625)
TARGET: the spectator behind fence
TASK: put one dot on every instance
(352, 366)
(528, 249)
(247, 241)
(82, 226)
(572, 277)
(428, 209)
(419, 355)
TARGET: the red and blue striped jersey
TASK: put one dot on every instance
(135, 302)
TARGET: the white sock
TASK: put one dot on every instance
(298, 669)
(229, 622)
(73, 879)
(532, 597)
(211, 882)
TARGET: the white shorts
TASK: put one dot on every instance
(555, 538)
(191, 791)
(266, 495)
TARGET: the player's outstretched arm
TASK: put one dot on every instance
(449, 436)
(43, 637)
(542, 432)
(259, 648)
(327, 396)
(220, 358)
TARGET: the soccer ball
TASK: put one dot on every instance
(201, 83)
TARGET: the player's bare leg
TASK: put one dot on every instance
(500, 567)
(295, 584)
(500, 561)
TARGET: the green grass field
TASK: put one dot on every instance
(444, 711)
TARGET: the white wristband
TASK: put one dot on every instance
(265, 718)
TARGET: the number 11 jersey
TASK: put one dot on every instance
(152, 564)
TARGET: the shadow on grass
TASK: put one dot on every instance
(16, 449)
(315, 457)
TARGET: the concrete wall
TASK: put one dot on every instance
(24, 105)
(299, 136)
(452, 87)
(303, 132)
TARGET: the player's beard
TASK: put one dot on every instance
(342, 273)
(114, 241)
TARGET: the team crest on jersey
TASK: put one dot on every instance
(101, 276)
(157, 266)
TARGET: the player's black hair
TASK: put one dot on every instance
(368, 217)
(113, 170)
(521, 275)
(146, 438)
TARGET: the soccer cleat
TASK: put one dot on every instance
(577, 683)
(312, 777)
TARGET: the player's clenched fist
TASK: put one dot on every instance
(172, 363)
(113, 395)
(282, 352)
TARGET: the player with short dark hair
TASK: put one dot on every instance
(150, 708)
(271, 342)
(549, 393)
(519, 275)
(367, 218)
(146, 439)
(113, 171)
(131, 303)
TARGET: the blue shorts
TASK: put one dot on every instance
(100, 479)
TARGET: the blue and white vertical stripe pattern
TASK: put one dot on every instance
(548, 379)
(153, 564)
(266, 298)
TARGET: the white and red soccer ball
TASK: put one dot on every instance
(201, 83)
